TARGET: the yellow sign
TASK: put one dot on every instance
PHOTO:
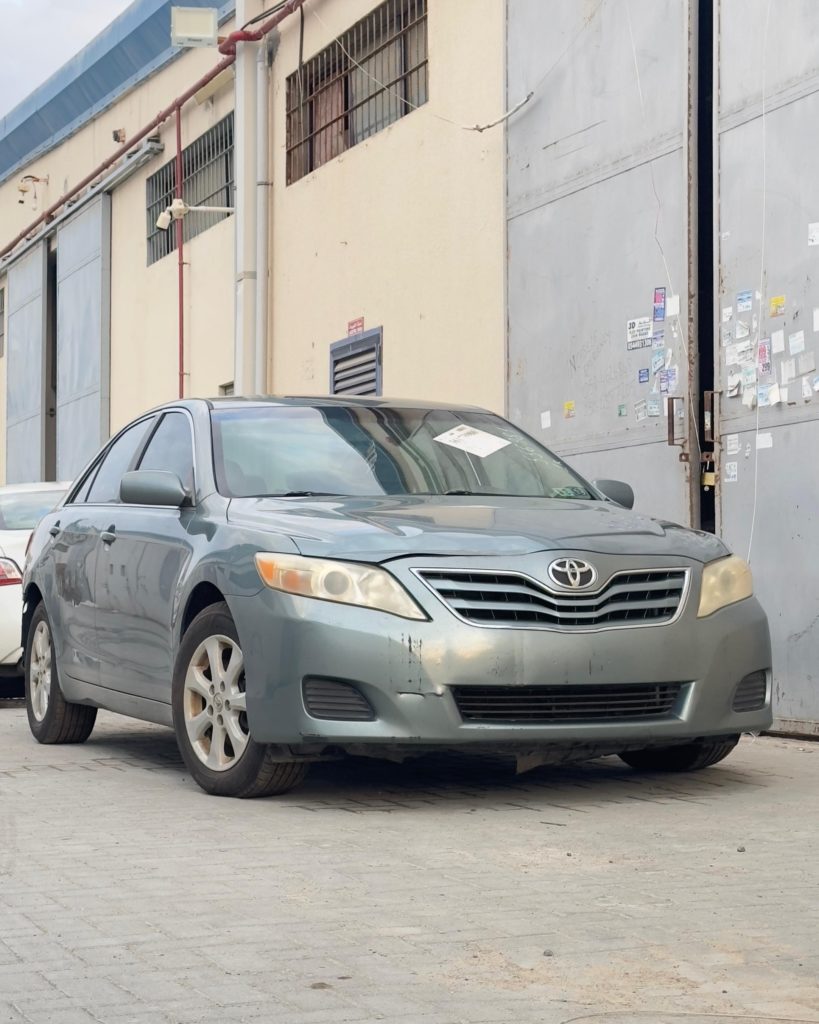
(776, 305)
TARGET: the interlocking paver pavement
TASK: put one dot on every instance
(444, 891)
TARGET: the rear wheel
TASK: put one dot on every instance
(51, 718)
(210, 715)
(690, 757)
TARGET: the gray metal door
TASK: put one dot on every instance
(766, 338)
(26, 368)
(83, 336)
(597, 220)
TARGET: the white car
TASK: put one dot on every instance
(22, 506)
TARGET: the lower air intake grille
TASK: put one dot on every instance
(547, 704)
(639, 598)
(751, 692)
(327, 699)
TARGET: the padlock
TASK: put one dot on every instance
(709, 479)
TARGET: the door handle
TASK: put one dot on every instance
(108, 536)
(54, 530)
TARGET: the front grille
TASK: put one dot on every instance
(751, 693)
(511, 599)
(342, 702)
(546, 704)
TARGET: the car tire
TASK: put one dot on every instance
(51, 718)
(690, 757)
(210, 715)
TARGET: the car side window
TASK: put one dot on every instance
(115, 463)
(171, 448)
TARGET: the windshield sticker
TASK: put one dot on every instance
(471, 440)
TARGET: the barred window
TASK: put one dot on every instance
(207, 180)
(369, 77)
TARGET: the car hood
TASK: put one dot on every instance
(379, 529)
(13, 545)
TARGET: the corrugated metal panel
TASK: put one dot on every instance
(130, 49)
(767, 196)
(597, 219)
(83, 336)
(25, 368)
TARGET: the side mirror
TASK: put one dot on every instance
(617, 491)
(152, 487)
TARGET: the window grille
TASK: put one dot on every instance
(363, 81)
(355, 365)
(207, 180)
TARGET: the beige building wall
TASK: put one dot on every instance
(406, 229)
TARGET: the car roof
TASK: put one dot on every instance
(26, 488)
(316, 401)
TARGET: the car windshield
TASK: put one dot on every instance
(22, 510)
(302, 451)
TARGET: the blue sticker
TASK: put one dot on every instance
(659, 304)
(642, 376)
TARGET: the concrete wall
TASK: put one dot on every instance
(405, 229)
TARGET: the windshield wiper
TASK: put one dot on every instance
(308, 494)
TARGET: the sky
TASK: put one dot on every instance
(39, 36)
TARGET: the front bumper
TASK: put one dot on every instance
(407, 670)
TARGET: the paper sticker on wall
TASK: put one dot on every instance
(472, 440)
(545, 420)
(673, 379)
(727, 313)
(642, 376)
(749, 399)
(807, 394)
(745, 302)
(813, 233)
(657, 362)
(733, 384)
(659, 303)
(662, 377)
(816, 383)
(658, 339)
(787, 371)
(763, 395)
(764, 441)
(731, 355)
(672, 306)
(806, 363)
(641, 409)
(568, 410)
(743, 330)
(654, 406)
(816, 319)
(731, 444)
(764, 358)
(621, 410)
(748, 377)
(638, 333)
(778, 342)
(731, 472)
(796, 343)
(776, 306)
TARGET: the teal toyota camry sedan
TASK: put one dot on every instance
(287, 580)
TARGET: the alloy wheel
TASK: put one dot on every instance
(40, 671)
(215, 705)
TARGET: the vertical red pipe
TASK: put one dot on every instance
(180, 256)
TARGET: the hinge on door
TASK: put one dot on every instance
(671, 410)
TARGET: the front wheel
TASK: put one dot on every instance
(688, 757)
(210, 715)
(51, 718)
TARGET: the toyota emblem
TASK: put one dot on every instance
(572, 573)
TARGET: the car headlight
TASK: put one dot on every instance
(344, 582)
(724, 582)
